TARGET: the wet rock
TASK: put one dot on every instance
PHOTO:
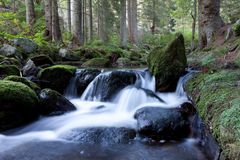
(101, 135)
(18, 104)
(112, 82)
(97, 62)
(164, 124)
(8, 70)
(8, 50)
(83, 78)
(27, 45)
(52, 103)
(168, 63)
(42, 60)
(30, 69)
(56, 77)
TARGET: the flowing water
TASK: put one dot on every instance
(92, 111)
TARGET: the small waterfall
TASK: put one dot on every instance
(111, 100)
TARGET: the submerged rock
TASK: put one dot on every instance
(8, 70)
(52, 103)
(56, 77)
(164, 124)
(17, 104)
(27, 45)
(168, 63)
(101, 135)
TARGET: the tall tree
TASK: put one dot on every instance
(209, 21)
(30, 13)
(69, 19)
(132, 21)
(77, 30)
(123, 26)
(56, 32)
(90, 20)
(194, 17)
(48, 19)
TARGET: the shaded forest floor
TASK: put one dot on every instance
(216, 91)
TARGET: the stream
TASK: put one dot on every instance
(105, 126)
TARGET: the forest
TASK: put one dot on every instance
(119, 79)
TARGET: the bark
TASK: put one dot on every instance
(194, 17)
(123, 27)
(56, 32)
(209, 21)
(154, 18)
(48, 19)
(30, 13)
(90, 20)
(103, 20)
(69, 15)
(77, 23)
(132, 21)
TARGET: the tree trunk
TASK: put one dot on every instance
(123, 27)
(69, 23)
(48, 19)
(56, 32)
(90, 20)
(194, 17)
(77, 22)
(30, 13)
(154, 17)
(132, 21)
(103, 20)
(209, 21)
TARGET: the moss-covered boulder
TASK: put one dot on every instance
(97, 62)
(53, 103)
(56, 77)
(23, 80)
(42, 60)
(17, 104)
(7, 70)
(168, 63)
(9, 61)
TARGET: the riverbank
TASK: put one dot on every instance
(216, 92)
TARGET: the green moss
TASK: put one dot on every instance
(97, 62)
(236, 29)
(18, 93)
(30, 84)
(56, 77)
(168, 63)
(7, 70)
(217, 98)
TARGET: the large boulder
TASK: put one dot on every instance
(100, 135)
(53, 103)
(164, 124)
(30, 69)
(42, 60)
(7, 70)
(112, 82)
(23, 80)
(27, 45)
(168, 63)
(17, 104)
(97, 62)
(56, 77)
(81, 81)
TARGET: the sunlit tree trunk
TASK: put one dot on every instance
(48, 19)
(90, 20)
(194, 17)
(30, 13)
(132, 21)
(69, 23)
(77, 22)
